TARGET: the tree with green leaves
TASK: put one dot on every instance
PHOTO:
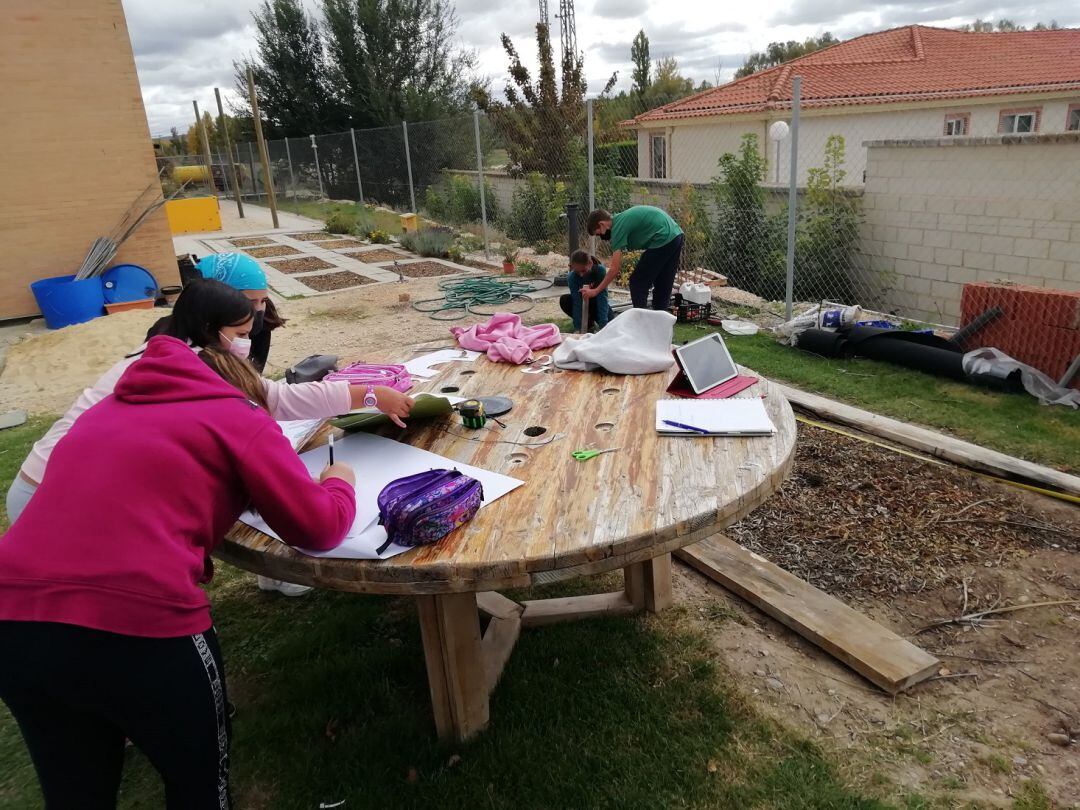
(982, 26)
(540, 120)
(779, 52)
(290, 71)
(639, 55)
(394, 60)
(668, 83)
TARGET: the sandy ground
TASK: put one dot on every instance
(44, 371)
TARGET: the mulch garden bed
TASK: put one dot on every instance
(336, 244)
(858, 520)
(307, 264)
(311, 236)
(425, 270)
(335, 281)
(268, 252)
(376, 256)
(251, 241)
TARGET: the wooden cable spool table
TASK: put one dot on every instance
(628, 509)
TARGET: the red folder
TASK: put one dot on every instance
(680, 387)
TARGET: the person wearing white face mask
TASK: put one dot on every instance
(210, 314)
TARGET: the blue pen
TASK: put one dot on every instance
(686, 427)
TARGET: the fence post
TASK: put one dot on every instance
(251, 166)
(292, 177)
(356, 163)
(264, 154)
(318, 170)
(480, 176)
(592, 166)
(205, 145)
(793, 195)
(408, 165)
(228, 151)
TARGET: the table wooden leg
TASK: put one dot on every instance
(450, 629)
(648, 584)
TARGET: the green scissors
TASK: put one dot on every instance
(585, 455)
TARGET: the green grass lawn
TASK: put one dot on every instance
(384, 220)
(332, 705)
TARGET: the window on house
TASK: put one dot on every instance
(1072, 120)
(956, 124)
(1019, 121)
(659, 157)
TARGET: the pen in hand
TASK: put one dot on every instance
(331, 445)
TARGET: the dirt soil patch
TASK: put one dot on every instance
(251, 241)
(337, 244)
(376, 256)
(335, 281)
(909, 542)
(308, 264)
(311, 236)
(426, 270)
(273, 250)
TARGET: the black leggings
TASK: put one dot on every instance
(77, 693)
(656, 271)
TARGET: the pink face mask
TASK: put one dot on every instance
(238, 346)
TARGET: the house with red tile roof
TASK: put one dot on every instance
(910, 82)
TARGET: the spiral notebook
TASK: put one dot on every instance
(717, 417)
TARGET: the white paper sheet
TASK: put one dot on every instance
(377, 462)
(299, 431)
(422, 366)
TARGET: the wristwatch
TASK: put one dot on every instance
(370, 400)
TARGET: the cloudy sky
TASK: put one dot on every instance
(183, 50)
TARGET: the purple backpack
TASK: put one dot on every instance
(420, 509)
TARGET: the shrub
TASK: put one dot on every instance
(621, 157)
(536, 208)
(529, 269)
(457, 200)
(629, 263)
(379, 237)
(355, 220)
(341, 222)
(430, 243)
(544, 247)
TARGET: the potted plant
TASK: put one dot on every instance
(510, 256)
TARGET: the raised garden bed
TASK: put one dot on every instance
(425, 269)
(307, 264)
(268, 252)
(251, 241)
(311, 236)
(335, 281)
(337, 244)
(376, 256)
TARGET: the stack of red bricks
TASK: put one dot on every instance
(1040, 327)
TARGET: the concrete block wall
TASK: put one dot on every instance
(943, 212)
(76, 147)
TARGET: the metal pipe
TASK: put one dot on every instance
(480, 180)
(408, 166)
(793, 195)
(228, 151)
(318, 169)
(356, 163)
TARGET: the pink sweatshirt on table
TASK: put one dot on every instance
(143, 488)
(302, 401)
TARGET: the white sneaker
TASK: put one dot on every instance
(286, 588)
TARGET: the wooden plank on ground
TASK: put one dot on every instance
(875, 652)
(932, 442)
(498, 643)
(497, 606)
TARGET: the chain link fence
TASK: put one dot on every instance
(894, 211)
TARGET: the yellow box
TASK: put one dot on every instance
(193, 215)
(408, 223)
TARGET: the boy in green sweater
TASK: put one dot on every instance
(647, 228)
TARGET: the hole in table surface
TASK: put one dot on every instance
(467, 372)
(517, 458)
(449, 389)
(535, 430)
(611, 391)
(605, 426)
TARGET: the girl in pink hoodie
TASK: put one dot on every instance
(106, 629)
(199, 318)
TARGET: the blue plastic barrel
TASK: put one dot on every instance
(65, 301)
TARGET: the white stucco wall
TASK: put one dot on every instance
(694, 148)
